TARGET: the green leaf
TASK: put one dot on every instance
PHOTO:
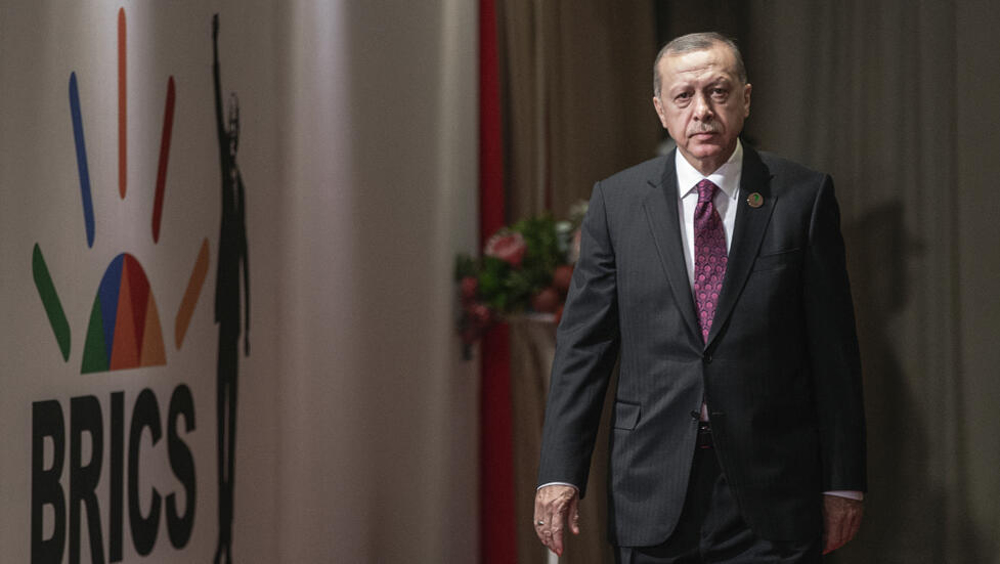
(465, 265)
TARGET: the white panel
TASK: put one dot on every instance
(379, 460)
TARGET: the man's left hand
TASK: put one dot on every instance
(841, 521)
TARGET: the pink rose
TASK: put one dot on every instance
(545, 301)
(562, 277)
(507, 246)
(476, 319)
(480, 315)
(468, 285)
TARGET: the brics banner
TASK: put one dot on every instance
(126, 287)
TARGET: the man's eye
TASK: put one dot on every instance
(683, 96)
(719, 92)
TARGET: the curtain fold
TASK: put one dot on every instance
(577, 84)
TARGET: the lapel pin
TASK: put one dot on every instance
(755, 200)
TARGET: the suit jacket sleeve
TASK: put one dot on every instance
(586, 351)
(833, 349)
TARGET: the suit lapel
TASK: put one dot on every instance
(747, 235)
(660, 206)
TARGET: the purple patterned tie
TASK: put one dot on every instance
(710, 256)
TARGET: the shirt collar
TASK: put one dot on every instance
(726, 177)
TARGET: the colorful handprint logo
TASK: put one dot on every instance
(124, 329)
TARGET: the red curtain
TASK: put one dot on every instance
(498, 536)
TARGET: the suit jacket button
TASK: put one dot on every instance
(707, 358)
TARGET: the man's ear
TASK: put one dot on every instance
(659, 111)
(746, 99)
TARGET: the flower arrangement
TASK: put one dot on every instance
(524, 268)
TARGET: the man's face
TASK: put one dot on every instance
(702, 103)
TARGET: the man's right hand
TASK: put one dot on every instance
(554, 506)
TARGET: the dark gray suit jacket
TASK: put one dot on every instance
(780, 372)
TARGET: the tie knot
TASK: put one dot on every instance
(706, 191)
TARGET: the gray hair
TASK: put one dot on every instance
(697, 42)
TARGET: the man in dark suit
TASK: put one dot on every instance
(716, 277)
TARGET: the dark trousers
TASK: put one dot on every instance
(712, 529)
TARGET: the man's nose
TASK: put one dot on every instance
(702, 107)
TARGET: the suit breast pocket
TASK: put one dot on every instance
(778, 260)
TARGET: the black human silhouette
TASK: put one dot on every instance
(232, 260)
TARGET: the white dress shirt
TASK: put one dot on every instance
(727, 178)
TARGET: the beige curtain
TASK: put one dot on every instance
(893, 98)
(577, 92)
